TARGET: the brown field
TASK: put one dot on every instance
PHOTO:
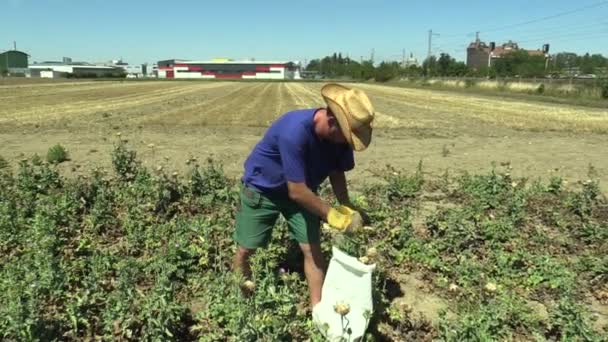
(445, 130)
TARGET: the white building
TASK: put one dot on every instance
(228, 69)
(75, 69)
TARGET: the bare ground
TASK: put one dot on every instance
(224, 120)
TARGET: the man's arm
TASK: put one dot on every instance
(301, 194)
(338, 184)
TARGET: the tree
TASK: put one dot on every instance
(520, 63)
(387, 71)
(586, 65)
(443, 64)
(457, 69)
(314, 65)
(448, 66)
(429, 66)
(413, 71)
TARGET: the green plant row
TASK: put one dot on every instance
(137, 254)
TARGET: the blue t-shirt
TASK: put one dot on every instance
(291, 151)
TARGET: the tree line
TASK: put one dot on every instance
(516, 64)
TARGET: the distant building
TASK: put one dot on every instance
(480, 54)
(411, 61)
(228, 69)
(67, 68)
(13, 63)
(132, 71)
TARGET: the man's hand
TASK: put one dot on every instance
(338, 183)
(364, 216)
(344, 219)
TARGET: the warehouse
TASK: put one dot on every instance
(13, 63)
(78, 70)
(228, 69)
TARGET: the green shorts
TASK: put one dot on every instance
(258, 213)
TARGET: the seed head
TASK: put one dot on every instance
(364, 259)
(491, 287)
(342, 309)
(249, 285)
(372, 252)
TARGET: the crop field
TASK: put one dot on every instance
(177, 120)
(489, 215)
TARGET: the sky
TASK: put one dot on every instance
(148, 31)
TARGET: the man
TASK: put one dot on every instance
(282, 173)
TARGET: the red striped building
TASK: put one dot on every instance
(228, 69)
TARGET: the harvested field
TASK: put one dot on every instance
(225, 119)
(143, 252)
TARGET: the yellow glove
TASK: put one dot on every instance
(344, 218)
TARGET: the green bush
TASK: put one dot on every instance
(124, 161)
(541, 89)
(92, 258)
(57, 154)
(3, 163)
(604, 88)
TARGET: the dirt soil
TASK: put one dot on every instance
(224, 120)
(170, 122)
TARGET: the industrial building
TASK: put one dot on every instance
(228, 69)
(480, 54)
(67, 68)
(13, 63)
(131, 71)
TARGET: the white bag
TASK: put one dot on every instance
(348, 281)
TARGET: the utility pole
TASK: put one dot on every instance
(428, 56)
(403, 59)
(372, 56)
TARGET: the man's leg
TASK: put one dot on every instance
(241, 261)
(314, 270)
(255, 218)
(304, 227)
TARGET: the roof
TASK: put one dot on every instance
(503, 49)
(180, 61)
(63, 63)
(46, 66)
(14, 51)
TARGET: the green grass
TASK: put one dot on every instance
(547, 96)
(57, 154)
(145, 255)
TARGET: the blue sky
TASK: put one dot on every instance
(147, 31)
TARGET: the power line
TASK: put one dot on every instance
(569, 37)
(595, 5)
(562, 27)
(549, 36)
(540, 32)
(532, 21)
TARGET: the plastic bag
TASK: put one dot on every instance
(348, 282)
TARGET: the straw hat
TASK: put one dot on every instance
(354, 112)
